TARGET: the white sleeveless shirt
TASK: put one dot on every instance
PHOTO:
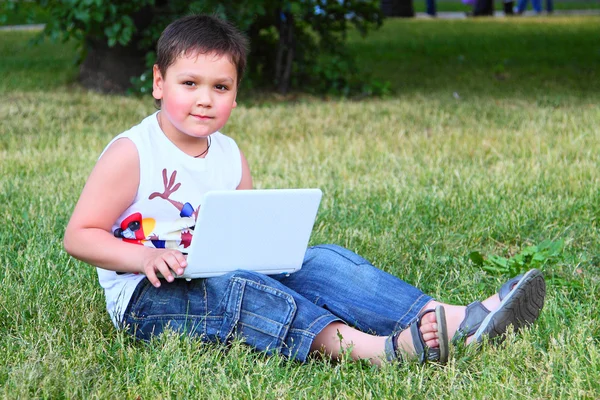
(165, 208)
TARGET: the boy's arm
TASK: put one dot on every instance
(246, 181)
(108, 192)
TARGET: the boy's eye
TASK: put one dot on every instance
(189, 83)
(221, 87)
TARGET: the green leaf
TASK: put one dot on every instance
(500, 261)
(82, 15)
(493, 269)
(530, 257)
(295, 8)
(476, 258)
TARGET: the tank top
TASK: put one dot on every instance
(167, 201)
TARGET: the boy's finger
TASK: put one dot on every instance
(176, 259)
(182, 260)
(165, 271)
(151, 275)
(176, 262)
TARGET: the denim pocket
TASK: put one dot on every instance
(261, 315)
(179, 306)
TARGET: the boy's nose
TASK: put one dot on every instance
(203, 98)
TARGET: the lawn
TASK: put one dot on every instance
(489, 143)
(458, 5)
(32, 13)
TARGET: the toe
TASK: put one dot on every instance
(428, 318)
(428, 324)
(429, 330)
(431, 339)
(433, 327)
(430, 336)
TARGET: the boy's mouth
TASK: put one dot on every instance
(201, 117)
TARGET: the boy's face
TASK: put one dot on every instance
(197, 95)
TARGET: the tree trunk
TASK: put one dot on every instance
(398, 8)
(110, 69)
(285, 53)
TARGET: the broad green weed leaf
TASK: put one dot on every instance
(476, 258)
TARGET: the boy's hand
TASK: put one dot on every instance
(165, 262)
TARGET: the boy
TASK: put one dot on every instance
(137, 213)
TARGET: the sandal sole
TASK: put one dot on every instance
(520, 307)
(440, 316)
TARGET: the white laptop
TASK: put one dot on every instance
(266, 231)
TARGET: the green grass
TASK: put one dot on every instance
(25, 67)
(551, 59)
(413, 182)
(31, 13)
(458, 5)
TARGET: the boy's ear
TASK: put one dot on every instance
(157, 83)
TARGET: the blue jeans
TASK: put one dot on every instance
(278, 313)
(536, 4)
(430, 7)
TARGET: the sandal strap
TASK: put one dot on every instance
(476, 312)
(508, 286)
(391, 348)
(474, 316)
(423, 352)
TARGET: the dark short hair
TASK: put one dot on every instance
(202, 34)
